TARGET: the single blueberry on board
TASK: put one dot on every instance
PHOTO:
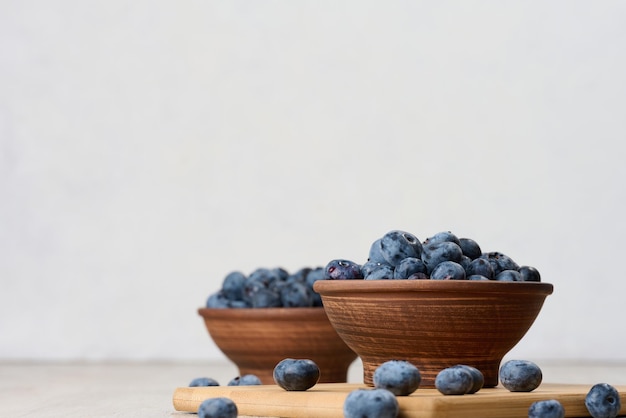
(245, 380)
(509, 276)
(454, 381)
(296, 374)
(408, 267)
(549, 408)
(448, 270)
(520, 375)
(478, 379)
(398, 245)
(397, 376)
(203, 381)
(221, 407)
(342, 270)
(371, 403)
(470, 248)
(529, 274)
(603, 401)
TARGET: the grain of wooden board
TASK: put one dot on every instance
(325, 400)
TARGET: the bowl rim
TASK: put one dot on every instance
(272, 314)
(359, 286)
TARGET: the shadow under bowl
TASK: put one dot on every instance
(256, 339)
(433, 324)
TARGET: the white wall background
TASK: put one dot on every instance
(148, 148)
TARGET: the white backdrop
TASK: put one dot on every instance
(148, 148)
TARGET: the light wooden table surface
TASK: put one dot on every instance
(84, 390)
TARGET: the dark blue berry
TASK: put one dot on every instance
(480, 266)
(217, 300)
(342, 270)
(603, 401)
(233, 285)
(245, 380)
(448, 270)
(296, 374)
(478, 277)
(296, 295)
(470, 248)
(397, 376)
(549, 408)
(443, 236)
(375, 254)
(454, 381)
(408, 267)
(266, 298)
(370, 403)
(398, 245)
(509, 276)
(520, 375)
(438, 252)
(379, 272)
(221, 407)
(500, 261)
(478, 379)
(529, 274)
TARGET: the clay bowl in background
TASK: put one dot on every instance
(434, 324)
(256, 339)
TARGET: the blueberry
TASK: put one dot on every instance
(480, 266)
(454, 381)
(266, 298)
(296, 374)
(245, 380)
(448, 270)
(379, 272)
(233, 285)
(439, 252)
(478, 379)
(342, 270)
(520, 375)
(221, 407)
(239, 304)
(500, 261)
(603, 401)
(478, 277)
(296, 295)
(313, 276)
(375, 254)
(529, 274)
(470, 248)
(443, 236)
(549, 408)
(408, 267)
(397, 376)
(370, 403)
(217, 300)
(418, 276)
(203, 381)
(398, 245)
(509, 276)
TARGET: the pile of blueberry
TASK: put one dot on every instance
(443, 256)
(268, 288)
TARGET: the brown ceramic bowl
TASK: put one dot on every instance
(256, 339)
(434, 324)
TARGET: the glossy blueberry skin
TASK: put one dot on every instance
(379, 272)
(398, 245)
(509, 276)
(481, 266)
(434, 254)
(397, 376)
(520, 375)
(603, 401)
(443, 236)
(221, 407)
(245, 380)
(233, 285)
(408, 267)
(203, 381)
(342, 270)
(478, 379)
(454, 381)
(500, 261)
(470, 248)
(296, 374)
(529, 274)
(296, 295)
(550, 408)
(448, 270)
(370, 403)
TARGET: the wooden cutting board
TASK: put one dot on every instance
(325, 400)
